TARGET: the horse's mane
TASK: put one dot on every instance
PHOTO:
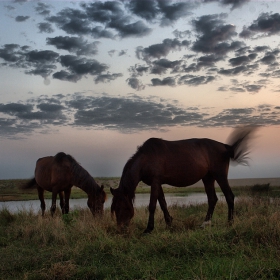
(149, 147)
(82, 178)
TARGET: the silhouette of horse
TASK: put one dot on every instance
(179, 163)
(57, 175)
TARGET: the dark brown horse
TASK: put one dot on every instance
(179, 163)
(57, 175)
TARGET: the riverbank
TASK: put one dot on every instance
(10, 189)
(76, 246)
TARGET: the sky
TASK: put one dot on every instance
(95, 79)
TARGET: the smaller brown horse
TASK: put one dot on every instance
(57, 175)
(179, 163)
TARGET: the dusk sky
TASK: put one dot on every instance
(95, 79)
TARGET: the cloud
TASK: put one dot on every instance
(125, 114)
(100, 20)
(165, 11)
(81, 65)
(234, 3)
(135, 83)
(195, 80)
(213, 36)
(76, 45)
(162, 65)
(160, 50)
(266, 25)
(22, 18)
(42, 9)
(104, 78)
(45, 27)
(168, 81)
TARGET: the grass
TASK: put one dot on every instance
(76, 246)
(10, 189)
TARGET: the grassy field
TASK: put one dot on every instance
(76, 246)
(9, 189)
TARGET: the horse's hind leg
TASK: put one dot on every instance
(209, 185)
(62, 202)
(41, 198)
(224, 185)
(163, 206)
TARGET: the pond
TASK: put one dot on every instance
(140, 200)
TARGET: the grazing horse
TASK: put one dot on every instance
(179, 163)
(57, 175)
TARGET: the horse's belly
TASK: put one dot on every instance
(183, 178)
(181, 182)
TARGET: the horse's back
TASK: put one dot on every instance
(182, 162)
(49, 172)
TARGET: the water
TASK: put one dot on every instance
(140, 200)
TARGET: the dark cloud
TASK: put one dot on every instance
(147, 9)
(75, 45)
(66, 76)
(22, 18)
(172, 11)
(195, 80)
(35, 62)
(100, 19)
(253, 88)
(10, 53)
(269, 58)
(81, 65)
(138, 70)
(104, 78)
(165, 11)
(242, 60)
(213, 36)
(42, 9)
(45, 27)
(160, 50)
(233, 71)
(266, 25)
(135, 83)
(234, 3)
(168, 81)
(125, 114)
(162, 65)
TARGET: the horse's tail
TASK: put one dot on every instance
(31, 184)
(238, 143)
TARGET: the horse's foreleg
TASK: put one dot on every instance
(224, 185)
(152, 207)
(41, 198)
(53, 207)
(67, 197)
(163, 206)
(62, 202)
(209, 185)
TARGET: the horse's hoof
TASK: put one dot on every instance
(206, 224)
(147, 231)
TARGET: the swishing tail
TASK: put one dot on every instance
(239, 143)
(29, 185)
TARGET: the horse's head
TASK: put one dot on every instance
(96, 201)
(122, 206)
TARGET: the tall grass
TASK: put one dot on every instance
(76, 246)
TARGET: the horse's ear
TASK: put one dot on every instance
(113, 191)
(102, 187)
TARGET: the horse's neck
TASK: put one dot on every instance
(131, 178)
(85, 181)
(88, 186)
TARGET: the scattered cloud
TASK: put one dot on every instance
(125, 114)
